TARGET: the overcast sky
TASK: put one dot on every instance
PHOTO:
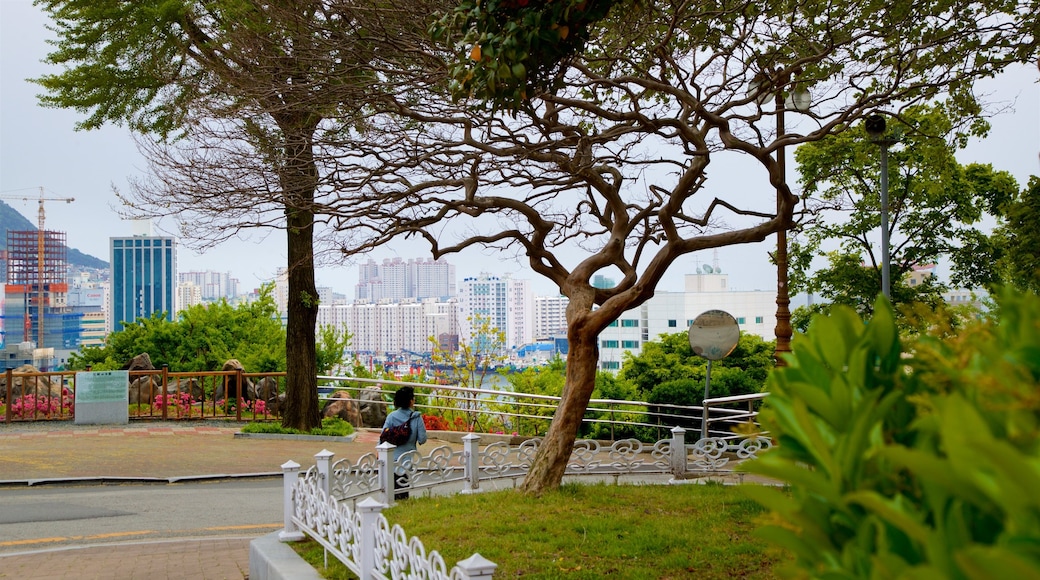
(40, 148)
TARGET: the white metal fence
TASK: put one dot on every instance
(525, 411)
(339, 503)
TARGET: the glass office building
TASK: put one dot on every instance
(144, 278)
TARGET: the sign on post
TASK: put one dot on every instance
(713, 335)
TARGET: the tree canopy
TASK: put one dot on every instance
(602, 164)
(201, 338)
(235, 104)
(936, 209)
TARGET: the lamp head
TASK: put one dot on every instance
(874, 125)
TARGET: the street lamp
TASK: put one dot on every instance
(875, 127)
(795, 100)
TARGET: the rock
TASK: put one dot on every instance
(233, 389)
(185, 385)
(343, 406)
(266, 390)
(38, 386)
(144, 389)
(372, 406)
(141, 362)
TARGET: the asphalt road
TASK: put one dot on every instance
(48, 517)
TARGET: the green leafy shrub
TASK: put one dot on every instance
(920, 462)
(330, 426)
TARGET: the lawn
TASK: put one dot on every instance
(591, 531)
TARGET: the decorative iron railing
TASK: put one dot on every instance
(339, 504)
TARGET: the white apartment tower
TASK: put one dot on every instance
(396, 279)
(550, 316)
(213, 285)
(506, 303)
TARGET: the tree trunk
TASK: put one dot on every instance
(551, 460)
(301, 382)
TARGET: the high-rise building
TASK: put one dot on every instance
(506, 303)
(550, 316)
(39, 327)
(188, 295)
(212, 285)
(144, 274)
(396, 279)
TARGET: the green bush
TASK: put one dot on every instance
(916, 462)
(330, 426)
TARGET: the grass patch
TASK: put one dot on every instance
(331, 426)
(594, 531)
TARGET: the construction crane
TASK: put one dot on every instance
(39, 256)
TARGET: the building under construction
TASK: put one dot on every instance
(37, 321)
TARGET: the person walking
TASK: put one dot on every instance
(404, 400)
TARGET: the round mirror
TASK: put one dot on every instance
(714, 334)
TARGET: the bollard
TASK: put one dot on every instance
(678, 451)
(369, 510)
(386, 471)
(471, 467)
(324, 460)
(290, 473)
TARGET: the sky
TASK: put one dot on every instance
(40, 148)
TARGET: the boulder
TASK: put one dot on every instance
(266, 390)
(141, 362)
(343, 406)
(233, 389)
(144, 389)
(185, 385)
(372, 406)
(38, 386)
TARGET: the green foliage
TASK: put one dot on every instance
(918, 462)
(512, 49)
(935, 205)
(1015, 243)
(201, 339)
(330, 347)
(330, 427)
(670, 358)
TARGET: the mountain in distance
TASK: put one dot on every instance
(11, 219)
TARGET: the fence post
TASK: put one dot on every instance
(239, 394)
(369, 510)
(324, 459)
(290, 473)
(471, 466)
(386, 471)
(163, 390)
(477, 567)
(9, 412)
(678, 451)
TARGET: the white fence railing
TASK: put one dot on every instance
(339, 504)
(525, 411)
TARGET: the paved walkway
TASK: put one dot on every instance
(52, 452)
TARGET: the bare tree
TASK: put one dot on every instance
(234, 103)
(607, 171)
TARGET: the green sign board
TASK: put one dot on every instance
(103, 387)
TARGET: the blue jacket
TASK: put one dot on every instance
(418, 436)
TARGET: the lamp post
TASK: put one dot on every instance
(875, 127)
(796, 100)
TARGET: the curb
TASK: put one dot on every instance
(331, 438)
(272, 559)
(103, 480)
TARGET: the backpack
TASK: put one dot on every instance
(398, 434)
